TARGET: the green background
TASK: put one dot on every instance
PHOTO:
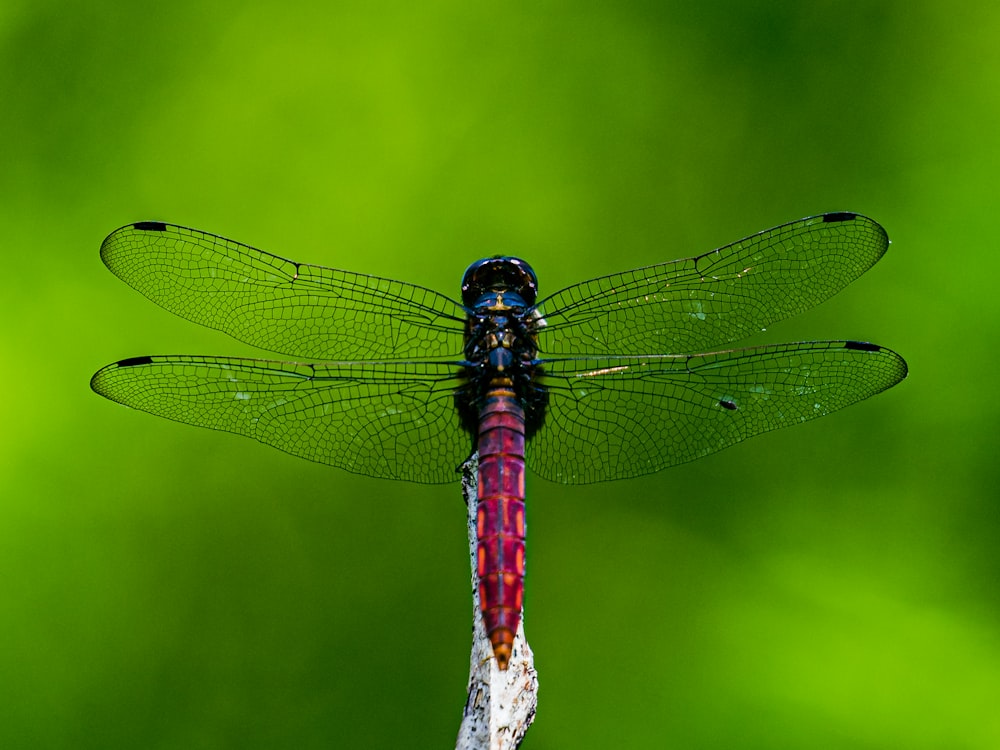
(832, 586)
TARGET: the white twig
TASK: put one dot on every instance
(501, 704)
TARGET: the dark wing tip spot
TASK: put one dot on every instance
(862, 346)
(728, 403)
(133, 361)
(150, 226)
(839, 216)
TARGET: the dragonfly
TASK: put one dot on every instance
(612, 378)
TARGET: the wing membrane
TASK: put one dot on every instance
(618, 417)
(380, 419)
(297, 309)
(698, 304)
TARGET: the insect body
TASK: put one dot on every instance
(615, 377)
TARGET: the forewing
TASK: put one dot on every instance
(389, 420)
(618, 417)
(698, 304)
(279, 305)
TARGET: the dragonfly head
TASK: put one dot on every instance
(499, 273)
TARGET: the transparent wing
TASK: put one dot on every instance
(698, 304)
(389, 420)
(279, 305)
(618, 417)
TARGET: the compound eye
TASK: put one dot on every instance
(523, 280)
(472, 284)
(499, 274)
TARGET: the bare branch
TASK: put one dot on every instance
(501, 704)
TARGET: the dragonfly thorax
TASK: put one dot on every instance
(500, 350)
(500, 331)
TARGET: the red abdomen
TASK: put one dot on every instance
(500, 519)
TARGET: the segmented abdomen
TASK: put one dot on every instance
(500, 519)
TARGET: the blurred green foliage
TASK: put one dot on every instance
(829, 586)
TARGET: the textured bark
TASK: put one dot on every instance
(501, 703)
